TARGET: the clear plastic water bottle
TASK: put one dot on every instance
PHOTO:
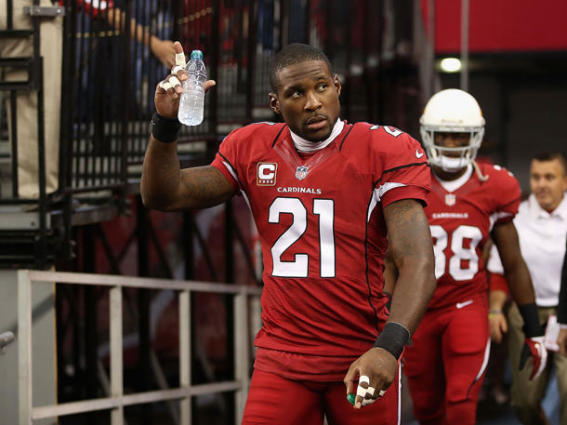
(192, 102)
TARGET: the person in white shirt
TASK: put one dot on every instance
(562, 310)
(542, 228)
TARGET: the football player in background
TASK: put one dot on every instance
(468, 203)
(323, 193)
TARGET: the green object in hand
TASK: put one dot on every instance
(351, 398)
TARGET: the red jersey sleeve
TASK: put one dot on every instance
(497, 282)
(242, 148)
(226, 159)
(507, 194)
(406, 173)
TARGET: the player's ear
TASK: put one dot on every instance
(274, 103)
(337, 83)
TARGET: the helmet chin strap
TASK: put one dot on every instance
(451, 165)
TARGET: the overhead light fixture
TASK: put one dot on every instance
(450, 65)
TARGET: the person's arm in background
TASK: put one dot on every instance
(517, 275)
(412, 255)
(497, 292)
(521, 288)
(165, 186)
(562, 309)
(496, 300)
(163, 50)
(497, 295)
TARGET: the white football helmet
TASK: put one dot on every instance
(452, 111)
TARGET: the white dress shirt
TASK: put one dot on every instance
(542, 241)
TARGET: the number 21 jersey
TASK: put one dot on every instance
(322, 232)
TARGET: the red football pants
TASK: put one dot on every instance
(446, 364)
(273, 400)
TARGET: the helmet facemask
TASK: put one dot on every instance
(451, 159)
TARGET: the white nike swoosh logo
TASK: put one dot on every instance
(464, 303)
(418, 154)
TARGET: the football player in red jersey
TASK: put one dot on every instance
(323, 193)
(469, 202)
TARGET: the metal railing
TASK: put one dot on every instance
(109, 71)
(117, 400)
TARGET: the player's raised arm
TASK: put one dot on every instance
(164, 185)
(411, 252)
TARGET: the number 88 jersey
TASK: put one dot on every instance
(461, 221)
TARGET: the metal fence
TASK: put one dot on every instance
(111, 65)
(244, 315)
(111, 68)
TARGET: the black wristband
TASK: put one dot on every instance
(531, 320)
(393, 338)
(165, 129)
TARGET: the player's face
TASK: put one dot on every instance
(548, 183)
(452, 140)
(308, 99)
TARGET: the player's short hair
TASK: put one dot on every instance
(292, 54)
(551, 156)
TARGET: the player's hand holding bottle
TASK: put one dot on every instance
(169, 90)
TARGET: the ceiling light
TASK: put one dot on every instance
(450, 65)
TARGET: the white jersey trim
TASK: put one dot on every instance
(497, 216)
(399, 394)
(231, 171)
(304, 145)
(244, 195)
(379, 193)
(452, 185)
(484, 361)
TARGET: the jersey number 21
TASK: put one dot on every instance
(299, 267)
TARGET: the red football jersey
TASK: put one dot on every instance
(461, 222)
(322, 232)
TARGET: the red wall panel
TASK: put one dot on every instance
(501, 25)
